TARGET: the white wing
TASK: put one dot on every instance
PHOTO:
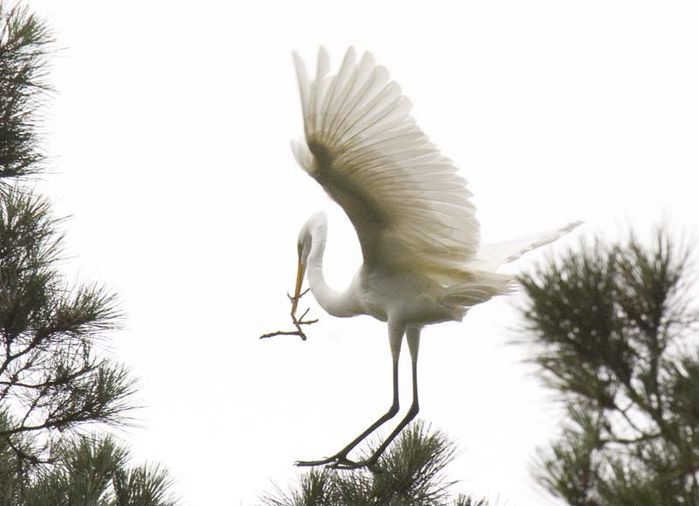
(406, 201)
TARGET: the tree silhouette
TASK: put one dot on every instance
(615, 337)
(54, 379)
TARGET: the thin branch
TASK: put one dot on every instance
(629, 441)
(624, 411)
(59, 380)
(297, 322)
(24, 456)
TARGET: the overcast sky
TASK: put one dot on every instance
(169, 143)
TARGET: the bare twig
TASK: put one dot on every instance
(297, 322)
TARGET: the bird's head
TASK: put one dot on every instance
(314, 229)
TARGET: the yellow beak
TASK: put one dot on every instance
(300, 271)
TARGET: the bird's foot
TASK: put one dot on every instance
(335, 462)
(370, 464)
(313, 463)
(348, 465)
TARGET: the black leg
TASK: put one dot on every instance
(341, 456)
(412, 413)
(413, 335)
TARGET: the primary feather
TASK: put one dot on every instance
(405, 199)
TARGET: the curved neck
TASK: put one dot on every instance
(334, 302)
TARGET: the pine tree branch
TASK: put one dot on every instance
(56, 381)
(608, 321)
(631, 441)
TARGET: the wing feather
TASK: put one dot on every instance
(406, 201)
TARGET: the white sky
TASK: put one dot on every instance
(169, 138)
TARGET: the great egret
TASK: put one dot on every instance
(423, 260)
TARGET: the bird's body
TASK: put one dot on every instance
(405, 294)
(423, 261)
(408, 297)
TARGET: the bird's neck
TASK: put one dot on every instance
(333, 302)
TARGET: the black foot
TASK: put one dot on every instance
(341, 462)
(351, 465)
(336, 462)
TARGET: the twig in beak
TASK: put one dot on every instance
(297, 322)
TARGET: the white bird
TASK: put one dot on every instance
(423, 259)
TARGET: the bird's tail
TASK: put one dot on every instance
(496, 254)
(481, 281)
(482, 286)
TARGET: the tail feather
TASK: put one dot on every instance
(506, 252)
(484, 286)
(480, 281)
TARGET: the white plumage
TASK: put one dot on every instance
(405, 199)
(420, 240)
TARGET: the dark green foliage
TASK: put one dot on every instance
(88, 471)
(147, 485)
(612, 327)
(53, 379)
(50, 376)
(24, 44)
(11, 468)
(409, 474)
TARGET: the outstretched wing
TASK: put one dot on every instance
(406, 201)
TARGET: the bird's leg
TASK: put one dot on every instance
(340, 458)
(413, 335)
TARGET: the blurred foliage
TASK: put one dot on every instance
(83, 471)
(410, 473)
(614, 335)
(53, 380)
(24, 45)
